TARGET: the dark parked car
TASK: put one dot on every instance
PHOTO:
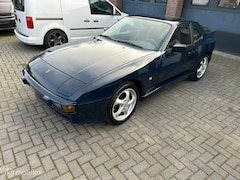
(103, 79)
(7, 17)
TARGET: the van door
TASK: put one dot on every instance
(20, 17)
(77, 18)
(104, 14)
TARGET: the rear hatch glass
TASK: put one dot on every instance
(20, 16)
(19, 5)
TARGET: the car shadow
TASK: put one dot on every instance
(6, 32)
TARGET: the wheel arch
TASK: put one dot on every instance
(138, 84)
(209, 53)
(53, 29)
(123, 102)
(44, 28)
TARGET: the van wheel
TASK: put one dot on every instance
(55, 37)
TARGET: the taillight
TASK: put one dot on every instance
(29, 22)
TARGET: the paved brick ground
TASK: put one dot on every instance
(190, 130)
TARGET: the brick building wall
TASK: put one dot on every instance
(171, 8)
(174, 8)
(117, 3)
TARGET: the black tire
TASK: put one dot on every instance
(201, 70)
(55, 37)
(123, 103)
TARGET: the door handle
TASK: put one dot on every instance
(86, 20)
(95, 20)
(192, 52)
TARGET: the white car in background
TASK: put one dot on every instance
(56, 22)
(7, 17)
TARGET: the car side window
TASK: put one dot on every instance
(181, 35)
(196, 33)
(101, 7)
(175, 39)
(185, 35)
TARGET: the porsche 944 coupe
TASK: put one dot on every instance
(103, 79)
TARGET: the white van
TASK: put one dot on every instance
(7, 17)
(54, 22)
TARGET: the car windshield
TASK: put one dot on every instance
(143, 33)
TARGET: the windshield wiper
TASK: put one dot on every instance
(125, 42)
(129, 43)
(106, 36)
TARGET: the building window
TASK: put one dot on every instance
(145, 0)
(229, 3)
(200, 2)
(160, 1)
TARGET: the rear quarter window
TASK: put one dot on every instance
(19, 5)
(196, 32)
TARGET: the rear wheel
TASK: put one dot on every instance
(55, 37)
(123, 103)
(202, 67)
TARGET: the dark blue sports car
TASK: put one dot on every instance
(103, 79)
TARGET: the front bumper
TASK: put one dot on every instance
(7, 23)
(49, 98)
(89, 112)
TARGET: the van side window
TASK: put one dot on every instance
(101, 7)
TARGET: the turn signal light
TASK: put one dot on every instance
(70, 108)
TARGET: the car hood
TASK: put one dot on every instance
(66, 69)
(91, 60)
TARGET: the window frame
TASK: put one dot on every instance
(194, 24)
(160, 1)
(234, 6)
(200, 3)
(91, 2)
(170, 46)
(19, 5)
(190, 32)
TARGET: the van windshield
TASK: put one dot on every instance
(19, 5)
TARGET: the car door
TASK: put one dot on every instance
(197, 41)
(104, 14)
(20, 17)
(180, 54)
(77, 18)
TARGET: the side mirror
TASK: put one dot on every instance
(179, 47)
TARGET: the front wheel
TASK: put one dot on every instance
(202, 68)
(123, 103)
(55, 37)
